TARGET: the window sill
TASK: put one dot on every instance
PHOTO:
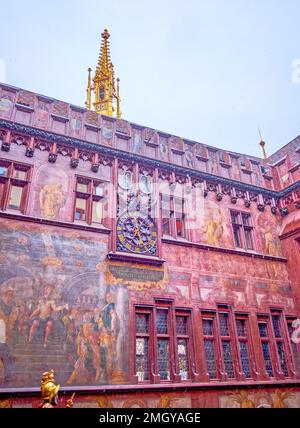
(12, 214)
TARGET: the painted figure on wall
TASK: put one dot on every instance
(270, 232)
(95, 344)
(52, 199)
(214, 227)
(43, 314)
(69, 319)
(7, 317)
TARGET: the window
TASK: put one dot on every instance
(14, 185)
(89, 196)
(179, 217)
(243, 345)
(242, 230)
(226, 344)
(163, 343)
(173, 216)
(279, 342)
(157, 342)
(219, 344)
(166, 214)
(208, 326)
(142, 362)
(294, 346)
(183, 335)
(263, 327)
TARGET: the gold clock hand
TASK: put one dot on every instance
(137, 230)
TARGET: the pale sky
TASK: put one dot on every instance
(212, 71)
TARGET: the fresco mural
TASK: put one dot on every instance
(215, 230)
(270, 230)
(58, 313)
(52, 192)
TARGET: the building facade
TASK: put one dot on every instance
(139, 265)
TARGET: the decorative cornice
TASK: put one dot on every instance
(154, 163)
(134, 258)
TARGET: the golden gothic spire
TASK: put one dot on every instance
(105, 92)
(262, 145)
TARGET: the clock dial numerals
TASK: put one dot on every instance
(136, 233)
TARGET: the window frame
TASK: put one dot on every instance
(9, 181)
(149, 336)
(173, 230)
(245, 339)
(90, 196)
(283, 340)
(265, 319)
(172, 338)
(188, 338)
(211, 316)
(242, 229)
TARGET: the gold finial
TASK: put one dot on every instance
(89, 91)
(262, 144)
(105, 92)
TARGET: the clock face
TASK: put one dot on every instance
(136, 233)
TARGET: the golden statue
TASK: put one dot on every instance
(52, 200)
(50, 391)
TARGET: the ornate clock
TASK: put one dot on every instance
(136, 233)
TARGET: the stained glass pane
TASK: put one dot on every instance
(141, 323)
(237, 239)
(163, 359)
(226, 347)
(3, 171)
(182, 351)
(224, 324)
(97, 212)
(246, 219)
(267, 358)
(20, 175)
(210, 358)
(15, 197)
(99, 189)
(80, 209)
(281, 355)
(207, 327)
(276, 325)
(179, 227)
(162, 321)
(142, 359)
(82, 187)
(262, 326)
(248, 238)
(241, 328)
(165, 221)
(235, 217)
(245, 358)
(181, 325)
